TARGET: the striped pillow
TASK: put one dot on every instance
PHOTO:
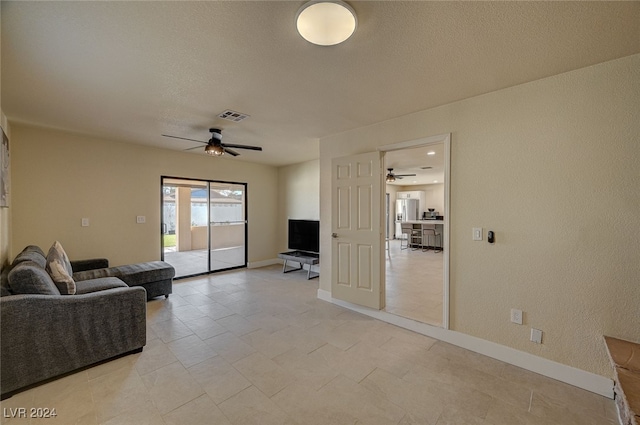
(59, 268)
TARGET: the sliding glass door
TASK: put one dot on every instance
(204, 225)
(227, 240)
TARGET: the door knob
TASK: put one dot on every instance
(334, 235)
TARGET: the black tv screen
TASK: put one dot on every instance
(304, 235)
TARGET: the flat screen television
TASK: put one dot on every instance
(304, 235)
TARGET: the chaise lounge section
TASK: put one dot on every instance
(156, 277)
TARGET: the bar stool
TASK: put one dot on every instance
(429, 230)
(412, 236)
(417, 237)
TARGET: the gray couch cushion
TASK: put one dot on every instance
(139, 274)
(4, 282)
(95, 285)
(59, 268)
(89, 264)
(29, 278)
(31, 253)
(92, 274)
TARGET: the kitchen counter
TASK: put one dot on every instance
(419, 224)
(421, 221)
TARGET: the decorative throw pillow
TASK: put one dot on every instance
(59, 268)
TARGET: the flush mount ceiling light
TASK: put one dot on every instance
(326, 23)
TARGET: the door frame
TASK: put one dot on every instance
(427, 141)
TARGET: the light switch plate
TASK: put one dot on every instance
(85, 222)
(536, 336)
(141, 219)
(477, 233)
(516, 316)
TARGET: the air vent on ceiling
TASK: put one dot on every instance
(233, 115)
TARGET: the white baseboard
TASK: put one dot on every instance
(561, 372)
(264, 263)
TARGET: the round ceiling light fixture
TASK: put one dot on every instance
(326, 23)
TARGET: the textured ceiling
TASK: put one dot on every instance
(131, 71)
(428, 168)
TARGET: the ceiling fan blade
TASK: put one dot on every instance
(190, 149)
(404, 175)
(229, 145)
(398, 177)
(231, 152)
(184, 138)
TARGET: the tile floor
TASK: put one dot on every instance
(414, 284)
(257, 347)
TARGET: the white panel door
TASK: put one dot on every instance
(357, 253)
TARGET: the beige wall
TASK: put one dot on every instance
(59, 178)
(298, 195)
(552, 167)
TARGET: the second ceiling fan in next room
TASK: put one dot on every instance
(392, 177)
(214, 146)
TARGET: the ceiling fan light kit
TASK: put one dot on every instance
(215, 147)
(326, 22)
(214, 150)
(392, 177)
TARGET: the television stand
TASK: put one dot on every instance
(302, 258)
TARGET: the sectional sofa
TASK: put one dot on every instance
(45, 334)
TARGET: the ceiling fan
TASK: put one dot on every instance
(392, 177)
(215, 147)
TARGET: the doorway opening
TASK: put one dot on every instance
(417, 270)
(204, 225)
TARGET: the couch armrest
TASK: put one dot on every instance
(90, 264)
(44, 336)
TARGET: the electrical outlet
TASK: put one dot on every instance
(477, 233)
(85, 222)
(516, 316)
(536, 336)
(141, 219)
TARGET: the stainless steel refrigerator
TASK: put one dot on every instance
(406, 210)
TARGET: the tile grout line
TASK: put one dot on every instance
(369, 374)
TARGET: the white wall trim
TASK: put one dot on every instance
(424, 141)
(561, 372)
(264, 263)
